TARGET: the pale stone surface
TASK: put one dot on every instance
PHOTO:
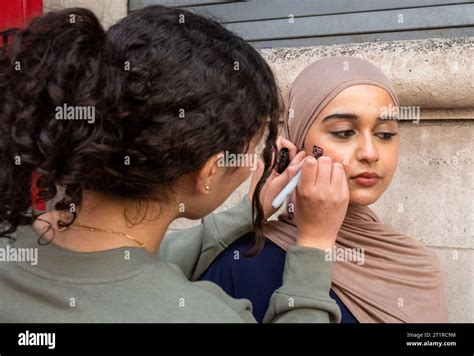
(434, 73)
(458, 269)
(108, 11)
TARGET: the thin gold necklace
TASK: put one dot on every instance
(95, 229)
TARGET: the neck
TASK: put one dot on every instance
(147, 223)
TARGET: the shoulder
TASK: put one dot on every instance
(4, 241)
(236, 256)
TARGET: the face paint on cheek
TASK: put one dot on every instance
(317, 151)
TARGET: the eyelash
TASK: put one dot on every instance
(338, 134)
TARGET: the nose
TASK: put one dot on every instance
(367, 151)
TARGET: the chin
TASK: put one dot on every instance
(194, 215)
(363, 197)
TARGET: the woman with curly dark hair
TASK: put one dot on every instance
(127, 131)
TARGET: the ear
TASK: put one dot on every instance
(208, 173)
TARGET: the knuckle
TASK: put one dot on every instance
(322, 196)
(325, 159)
(304, 193)
(291, 171)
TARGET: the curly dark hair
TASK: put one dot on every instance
(149, 68)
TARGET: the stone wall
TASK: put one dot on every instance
(108, 11)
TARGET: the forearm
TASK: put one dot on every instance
(304, 294)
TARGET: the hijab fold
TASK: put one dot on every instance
(400, 280)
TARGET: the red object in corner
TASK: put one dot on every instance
(35, 202)
(16, 14)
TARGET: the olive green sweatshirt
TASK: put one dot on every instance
(44, 284)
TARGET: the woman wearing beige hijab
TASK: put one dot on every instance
(348, 107)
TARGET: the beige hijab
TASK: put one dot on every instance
(400, 279)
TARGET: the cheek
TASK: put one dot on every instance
(342, 154)
(389, 159)
(338, 153)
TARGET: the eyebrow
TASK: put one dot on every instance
(341, 116)
(349, 116)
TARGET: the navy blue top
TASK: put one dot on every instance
(255, 278)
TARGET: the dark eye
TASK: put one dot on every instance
(343, 134)
(385, 135)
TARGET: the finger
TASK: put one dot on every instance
(290, 171)
(284, 178)
(294, 167)
(345, 185)
(339, 179)
(279, 181)
(337, 175)
(298, 159)
(278, 142)
(309, 172)
(324, 170)
(283, 142)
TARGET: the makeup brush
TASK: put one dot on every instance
(280, 198)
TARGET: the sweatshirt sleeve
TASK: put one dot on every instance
(194, 249)
(304, 294)
(303, 297)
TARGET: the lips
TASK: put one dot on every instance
(366, 179)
